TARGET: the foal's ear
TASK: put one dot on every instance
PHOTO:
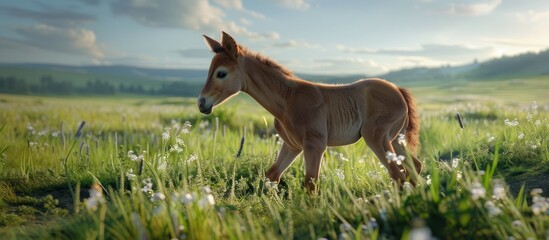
(214, 45)
(230, 46)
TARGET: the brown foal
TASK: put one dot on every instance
(311, 116)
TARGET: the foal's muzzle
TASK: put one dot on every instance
(203, 107)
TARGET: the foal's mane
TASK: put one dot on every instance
(267, 61)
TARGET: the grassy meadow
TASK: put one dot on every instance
(155, 168)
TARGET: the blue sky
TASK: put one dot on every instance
(308, 36)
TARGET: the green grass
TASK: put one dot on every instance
(485, 195)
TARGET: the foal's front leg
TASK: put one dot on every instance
(285, 158)
(313, 151)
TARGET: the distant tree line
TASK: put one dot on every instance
(48, 85)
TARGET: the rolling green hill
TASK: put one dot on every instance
(506, 67)
(26, 78)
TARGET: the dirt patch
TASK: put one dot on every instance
(530, 182)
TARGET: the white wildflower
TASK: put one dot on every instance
(537, 123)
(391, 156)
(165, 136)
(147, 186)
(343, 236)
(493, 210)
(491, 139)
(55, 134)
(187, 198)
(186, 127)
(30, 128)
(176, 148)
(43, 132)
(400, 159)
(420, 231)
(477, 191)
(529, 117)
(207, 190)
(346, 227)
(339, 173)
(428, 181)
(510, 123)
(179, 141)
(386, 194)
(536, 191)
(134, 157)
(539, 207)
(207, 200)
(96, 197)
(342, 157)
(130, 175)
(455, 162)
(162, 164)
(402, 140)
(158, 197)
(271, 185)
(458, 175)
(521, 135)
(192, 157)
(539, 204)
(407, 186)
(499, 191)
(370, 227)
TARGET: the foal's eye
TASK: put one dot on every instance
(221, 74)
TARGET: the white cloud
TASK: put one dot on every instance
(293, 44)
(533, 16)
(294, 4)
(441, 52)
(194, 53)
(354, 65)
(518, 42)
(237, 4)
(189, 14)
(197, 15)
(355, 50)
(234, 4)
(411, 61)
(472, 9)
(50, 16)
(78, 41)
(15, 51)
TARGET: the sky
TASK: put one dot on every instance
(307, 36)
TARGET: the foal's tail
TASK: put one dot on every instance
(412, 130)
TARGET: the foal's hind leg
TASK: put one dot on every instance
(412, 174)
(412, 167)
(377, 138)
(400, 150)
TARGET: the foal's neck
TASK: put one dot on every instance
(269, 83)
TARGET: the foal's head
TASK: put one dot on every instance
(224, 77)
